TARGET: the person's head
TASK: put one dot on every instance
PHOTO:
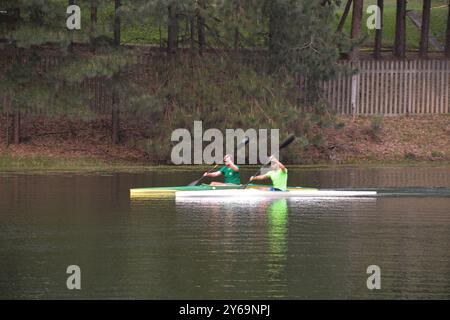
(274, 165)
(227, 159)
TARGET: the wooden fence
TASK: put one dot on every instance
(381, 87)
(392, 88)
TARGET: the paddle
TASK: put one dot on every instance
(242, 144)
(285, 143)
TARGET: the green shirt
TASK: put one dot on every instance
(230, 176)
(279, 179)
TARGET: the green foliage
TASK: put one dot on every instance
(437, 22)
(225, 94)
(376, 126)
(144, 21)
(31, 83)
(437, 154)
(410, 156)
(318, 140)
(24, 79)
(100, 65)
(302, 41)
(339, 125)
(219, 89)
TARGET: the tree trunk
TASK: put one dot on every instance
(117, 4)
(115, 120)
(356, 25)
(70, 48)
(447, 42)
(16, 127)
(272, 25)
(423, 50)
(201, 26)
(400, 30)
(236, 29)
(7, 129)
(192, 33)
(92, 31)
(93, 14)
(172, 31)
(344, 16)
(379, 32)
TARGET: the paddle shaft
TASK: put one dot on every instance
(285, 143)
(194, 183)
(242, 144)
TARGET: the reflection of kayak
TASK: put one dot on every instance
(170, 191)
(255, 193)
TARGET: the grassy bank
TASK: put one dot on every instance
(17, 163)
(414, 140)
(364, 140)
(43, 164)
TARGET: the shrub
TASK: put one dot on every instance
(437, 154)
(410, 156)
(376, 126)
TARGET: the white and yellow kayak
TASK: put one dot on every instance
(158, 192)
(255, 193)
(252, 191)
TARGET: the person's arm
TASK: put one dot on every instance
(234, 167)
(213, 174)
(261, 177)
(229, 162)
(280, 165)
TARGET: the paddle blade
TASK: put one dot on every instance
(243, 143)
(287, 141)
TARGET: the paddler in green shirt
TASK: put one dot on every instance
(229, 171)
(278, 175)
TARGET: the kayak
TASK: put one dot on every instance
(255, 194)
(234, 191)
(142, 193)
(170, 191)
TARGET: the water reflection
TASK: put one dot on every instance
(163, 248)
(277, 218)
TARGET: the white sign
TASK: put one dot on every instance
(374, 280)
(74, 20)
(374, 20)
(74, 280)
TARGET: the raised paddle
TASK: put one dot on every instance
(285, 143)
(242, 144)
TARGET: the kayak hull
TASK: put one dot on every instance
(254, 193)
(170, 191)
(158, 192)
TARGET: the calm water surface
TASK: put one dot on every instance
(298, 249)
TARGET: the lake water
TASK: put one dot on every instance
(287, 249)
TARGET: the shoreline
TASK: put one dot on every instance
(42, 164)
(365, 141)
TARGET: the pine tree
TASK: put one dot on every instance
(425, 30)
(57, 89)
(302, 41)
(400, 29)
(26, 81)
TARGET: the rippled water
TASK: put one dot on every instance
(295, 248)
